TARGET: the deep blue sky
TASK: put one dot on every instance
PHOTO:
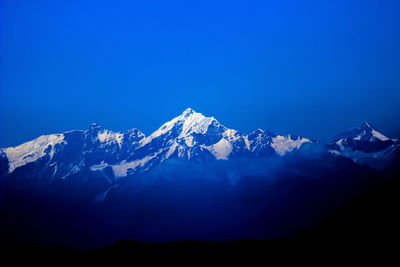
(312, 68)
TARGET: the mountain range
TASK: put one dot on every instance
(190, 136)
(193, 178)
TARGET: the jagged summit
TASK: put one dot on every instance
(366, 125)
(190, 135)
(189, 122)
(365, 132)
(188, 111)
(258, 131)
(365, 146)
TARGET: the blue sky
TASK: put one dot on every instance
(312, 68)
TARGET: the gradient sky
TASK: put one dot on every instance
(311, 68)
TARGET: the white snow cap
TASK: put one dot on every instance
(375, 133)
(32, 150)
(192, 122)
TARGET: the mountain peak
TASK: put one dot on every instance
(189, 114)
(191, 121)
(366, 126)
(256, 132)
(188, 111)
(188, 123)
(373, 134)
(365, 132)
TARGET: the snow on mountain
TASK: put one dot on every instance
(32, 150)
(377, 160)
(284, 144)
(261, 142)
(222, 149)
(108, 136)
(365, 145)
(192, 135)
(184, 126)
(101, 156)
(66, 154)
(188, 136)
(121, 169)
(365, 132)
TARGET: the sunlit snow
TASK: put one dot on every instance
(32, 150)
(283, 144)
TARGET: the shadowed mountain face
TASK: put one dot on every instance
(365, 145)
(193, 178)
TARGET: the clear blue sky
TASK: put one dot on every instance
(312, 68)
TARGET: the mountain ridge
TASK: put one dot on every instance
(193, 178)
(188, 136)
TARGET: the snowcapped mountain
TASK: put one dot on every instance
(365, 132)
(189, 136)
(365, 145)
(193, 171)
